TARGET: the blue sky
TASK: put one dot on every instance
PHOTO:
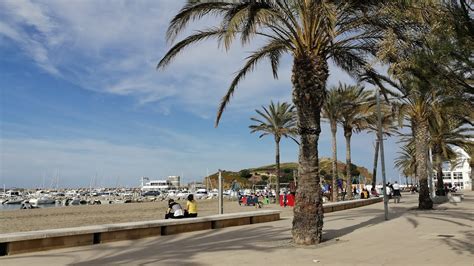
(80, 97)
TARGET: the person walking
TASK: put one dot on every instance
(388, 191)
(396, 192)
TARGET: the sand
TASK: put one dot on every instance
(73, 216)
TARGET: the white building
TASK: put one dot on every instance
(460, 174)
(172, 182)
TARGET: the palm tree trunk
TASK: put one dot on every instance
(376, 157)
(309, 88)
(277, 160)
(439, 173)
(421, 155)
(334, 160)
(348, 135)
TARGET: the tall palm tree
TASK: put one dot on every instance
(416, 108)
(389, 128)
(332, 110)
(447, 132)
(434, 67)
(280, 121)
(434, 115)
(354, 118)
(406, 162)
(312, 32)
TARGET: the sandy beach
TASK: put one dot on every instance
(72, 216)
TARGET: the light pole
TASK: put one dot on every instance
(221, 200)
(430, 172)
(382, 157)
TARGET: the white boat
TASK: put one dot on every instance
(13, 200)
(73, 201)
(182, 194)
(42, 200)
(201, 194)
(72, 193)
(170, 194)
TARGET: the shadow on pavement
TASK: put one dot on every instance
(177, 250)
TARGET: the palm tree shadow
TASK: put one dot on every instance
(182, 250)
(337, 233)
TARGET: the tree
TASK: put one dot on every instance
(353, 118)
(434, 67)
(406, 162)
(447, 132)
(312, 32)
(245, 173)
(277, 120)
(332, 109)
(389, 128)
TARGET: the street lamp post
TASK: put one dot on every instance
(382, 157)
(221, 200)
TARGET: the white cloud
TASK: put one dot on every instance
(113, 47)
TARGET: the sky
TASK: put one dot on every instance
(81, 100)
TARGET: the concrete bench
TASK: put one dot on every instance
(349, 204)
(21, 242)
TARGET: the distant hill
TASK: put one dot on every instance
(262, 174)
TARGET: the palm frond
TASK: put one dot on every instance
(192, 39)
(194, 11)
(272, 50)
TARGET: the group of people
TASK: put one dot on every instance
(256, 200)
(364, 193)
(393, 191)
(175, 211)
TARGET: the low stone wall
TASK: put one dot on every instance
(22, 242)
(16, 243)
(350, 204)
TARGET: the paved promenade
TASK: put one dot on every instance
(444, 236)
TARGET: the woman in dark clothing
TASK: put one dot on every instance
(175, 211)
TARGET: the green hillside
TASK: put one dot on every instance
(262, 174)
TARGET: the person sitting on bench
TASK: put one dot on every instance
(191, 207)
(175, 211)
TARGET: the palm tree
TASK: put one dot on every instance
(416, 108)
(354, 118)
(406, 162)
(389, 128)
(312, 32)
(447, 132)
(278, 120)
(332, 110)
(433, 65)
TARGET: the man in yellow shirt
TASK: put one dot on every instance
(191, 207)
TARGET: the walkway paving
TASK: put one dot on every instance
(443, 236)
